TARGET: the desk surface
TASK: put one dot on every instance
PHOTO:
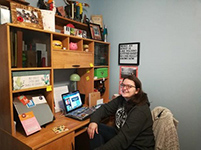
(46, 135)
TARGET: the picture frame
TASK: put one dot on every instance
(97, 19)
(125, 71)
(95, 31)
(26, 15)
(129, 53)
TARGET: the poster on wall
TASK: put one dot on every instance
(126, 70)
(129, 53)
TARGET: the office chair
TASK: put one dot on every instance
(165, 129)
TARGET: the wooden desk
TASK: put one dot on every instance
(46, 139)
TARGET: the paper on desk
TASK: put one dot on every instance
(99, 101)
(58, 91)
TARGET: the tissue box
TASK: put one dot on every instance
(4, 14)
(101, 72)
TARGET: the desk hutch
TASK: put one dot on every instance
(15, 138)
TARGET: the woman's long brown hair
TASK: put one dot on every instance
(140, 98)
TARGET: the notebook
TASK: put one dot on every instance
(74, 107)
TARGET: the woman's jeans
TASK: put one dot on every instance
(105, 134)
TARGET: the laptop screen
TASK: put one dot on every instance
(72, 100)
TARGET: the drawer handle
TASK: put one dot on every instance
(76, 65)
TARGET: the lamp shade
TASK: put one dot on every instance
(74, 77)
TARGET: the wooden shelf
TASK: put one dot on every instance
(34, 68)
(101, 66)
(7, 2)
(30, 89)
(99, 79)
(61, 22)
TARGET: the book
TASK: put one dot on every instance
(19, 48)
(12, 48)
(30, 58)
(39, 58)
(15, 49)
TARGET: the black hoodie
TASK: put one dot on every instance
(133, 123)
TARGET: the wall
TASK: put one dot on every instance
(170, 35)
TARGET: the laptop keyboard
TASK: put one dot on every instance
(85, 110)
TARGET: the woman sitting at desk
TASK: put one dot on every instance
(133, 121)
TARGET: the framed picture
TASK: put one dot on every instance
(97, 19)
(26, 15)
(128, 70)
(129, 53)
(125, 71)
(95, 31)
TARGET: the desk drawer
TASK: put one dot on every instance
(66, 142)
(69, 59)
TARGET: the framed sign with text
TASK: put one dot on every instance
(97, 19)
(129, 53)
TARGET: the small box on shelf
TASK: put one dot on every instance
(4, 14)
(101, 72)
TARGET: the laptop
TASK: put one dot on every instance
(74, 107)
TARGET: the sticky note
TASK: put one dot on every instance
(49, 88)
(91, 64)
(87, 78)
(88, 71)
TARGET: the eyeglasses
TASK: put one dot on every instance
(127, 86)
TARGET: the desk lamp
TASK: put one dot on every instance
(74, 78)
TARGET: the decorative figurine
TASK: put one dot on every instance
(86, 47)
(73, 46)
(105, 33)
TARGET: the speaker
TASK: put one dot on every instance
(102, 87)
(82, 96)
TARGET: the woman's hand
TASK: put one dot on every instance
(92, 128)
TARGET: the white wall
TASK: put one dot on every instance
(170, 64)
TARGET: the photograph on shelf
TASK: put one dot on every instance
(97, 19)
(95, 31)
(125, 71)
(129, 53)
(26, 15)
